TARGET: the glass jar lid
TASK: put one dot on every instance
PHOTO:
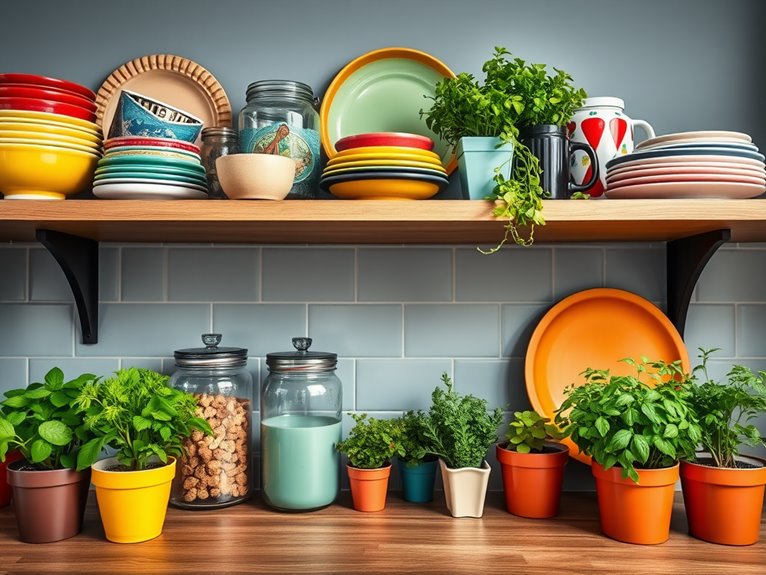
(211, 355)
(301, 360)
(280, 89)
(219, 132)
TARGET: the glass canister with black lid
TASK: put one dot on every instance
(280, 118)
(300, 426)
(216, 470)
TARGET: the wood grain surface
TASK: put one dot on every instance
(404, 538)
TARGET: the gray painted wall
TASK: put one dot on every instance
(398, 316)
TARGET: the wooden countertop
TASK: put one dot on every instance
(405, 538)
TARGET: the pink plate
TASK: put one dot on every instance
(735, 169)
(50, 82)
(690, 178)
(687, 190)
(29, 91)
(402, 139)
(150, 142)
(37, 105)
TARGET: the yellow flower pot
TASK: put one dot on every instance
(132, 504)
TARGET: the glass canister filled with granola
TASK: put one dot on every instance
(216, 470)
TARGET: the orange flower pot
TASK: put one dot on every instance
(636, 512)
(532, 481)
(369, 487)
(724, 505)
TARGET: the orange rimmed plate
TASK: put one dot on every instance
(595, 328)
(383, 91)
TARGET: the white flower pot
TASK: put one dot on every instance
(465, 489)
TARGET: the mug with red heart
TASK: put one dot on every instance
(602, 124)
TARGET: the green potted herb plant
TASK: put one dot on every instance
(723, 489)
(532, 462)
(636, 435)
(483, 120)
(460, 430)
(146, 421)
(41, 421)
(369, 447)
(417, 466)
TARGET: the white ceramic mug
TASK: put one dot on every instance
(602, 124)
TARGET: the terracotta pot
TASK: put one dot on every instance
(49, 505)
(636, 512)
(532, 481)
(5, 489)
(465, 489)
(369, 487)
(132, 504)
(724, 505)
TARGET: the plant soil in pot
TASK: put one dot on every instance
(369, 487)
(49, 503)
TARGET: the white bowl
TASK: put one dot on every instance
(255, 176)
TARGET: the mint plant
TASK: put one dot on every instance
(459, 428)
(372, 442)
(621, 420)
(43, 423)
(529, 431)
(137, 413)
(726, 410)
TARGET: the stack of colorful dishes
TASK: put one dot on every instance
(712, 164)
(49, 141)
(384, 165)
(150, 169)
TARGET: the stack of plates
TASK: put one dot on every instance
(150, 169)
(384, 165)
(713, 164)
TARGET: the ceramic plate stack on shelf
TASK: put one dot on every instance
(150, 169)
(49, 141)
(713, 164)
(384, 165)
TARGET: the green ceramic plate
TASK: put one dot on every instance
(150, 169)
(150, 176)
(149, 161)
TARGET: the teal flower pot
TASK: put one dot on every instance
(477, 159)
(418, 481)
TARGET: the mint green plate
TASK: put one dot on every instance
(149, 161)
(150, 176)
(150, 169)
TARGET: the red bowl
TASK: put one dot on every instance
(150, 142)
(48, 82)
(385, 139)
(30, 91)
(49, 106)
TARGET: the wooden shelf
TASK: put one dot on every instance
(375, 222)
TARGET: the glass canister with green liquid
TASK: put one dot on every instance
(300, 425)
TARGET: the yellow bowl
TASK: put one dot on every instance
(53, 118)
(44, 138)
(50, 144)
(384, 189)
(44, 130)
(372, 163)
(363, 157)
(389, 151)
(30, 171)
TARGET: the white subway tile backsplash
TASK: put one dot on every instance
(405, 275)
(710, 326)
(142, 273)
(212, 274)
(46, 280)
(751, 320)
(306, 275)
(734, 275)
(641, 271)
(13, 274)
(397, 384)
(357, 330)
(108, 274)
(13, 374)
(576, 270)
(518, 323)
(261, 328)
(451, 330)
(31, 330)
(508, 275)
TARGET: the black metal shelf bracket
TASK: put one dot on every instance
(78, 259)
(686, 258)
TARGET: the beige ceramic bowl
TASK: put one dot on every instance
(255, 176)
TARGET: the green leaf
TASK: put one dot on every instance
(665, 447)
(6, 428)
(141, 423)
(620, 440)
(55, 432)
(651, 414)
(624, 399)
(40, 451)
(16, 402)
(68, 461)
(59, 398)
(38, 393)
(55, 378)
(165, 432)
(671, 431)
(16, 418)
(640, 447)
(523, 448)
(89, 452)
(602, 425)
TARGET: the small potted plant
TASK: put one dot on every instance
(483, 120)
(723, 489)
(417, 466)
(532, 462)
(369, 447)
(460, 430)
(636, 435)
(146, 421)
(41, 422)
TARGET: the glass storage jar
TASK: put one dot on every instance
(216, 142)
(280, 118)
(300, 426)
(217, 471)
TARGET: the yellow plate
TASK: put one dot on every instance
(409, 157)
(50, 129)
(388, 150)
(43, 143)
(373, 163)
(392, 189)
(27, 135)
(54, 118)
